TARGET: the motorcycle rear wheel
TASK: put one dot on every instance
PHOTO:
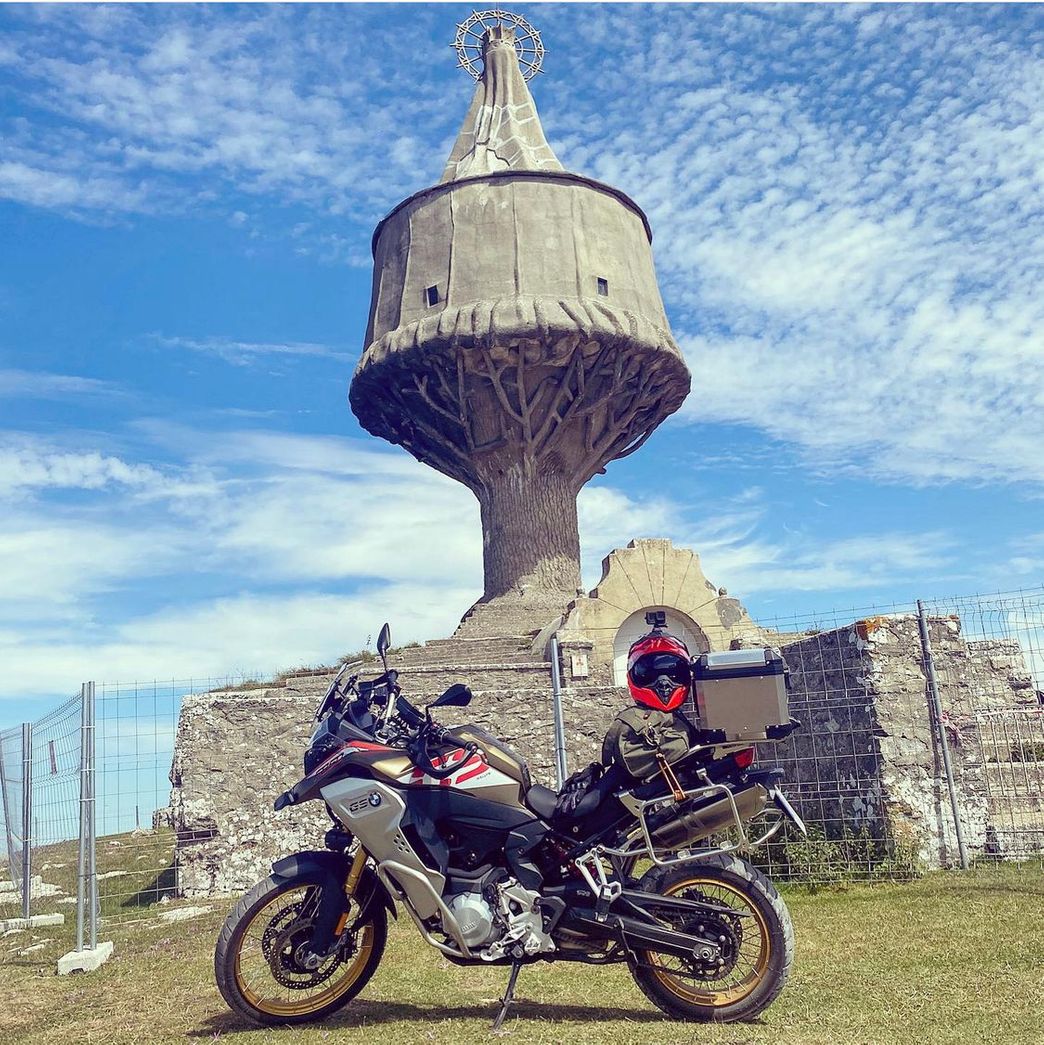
(760, 936)
(254, 961)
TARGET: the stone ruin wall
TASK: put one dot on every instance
(236, 751)
(865, 759)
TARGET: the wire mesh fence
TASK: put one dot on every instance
(39, 780)
(11, 802)
(837, 764)
(992, 716)
(922, 739)
(93, 819)
(136, 728)
(922, 745)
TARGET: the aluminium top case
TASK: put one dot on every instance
(741, 695)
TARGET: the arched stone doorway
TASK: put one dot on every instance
(634, 627)
(647, 574)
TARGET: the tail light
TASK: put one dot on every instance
(744, 759)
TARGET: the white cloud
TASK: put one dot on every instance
(38, 384)
(57, 569)
(247, 353)
(266, 101)
(314, 541)
(278, 518)
(242, 634)
(735, 552)
(38, 184)
(25, 465)
(848, 232)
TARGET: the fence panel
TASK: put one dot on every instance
(863, 720)
(135, 729)
(992, 696)
(12, 831)
(55, 806)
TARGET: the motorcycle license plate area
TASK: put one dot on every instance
(741, 695)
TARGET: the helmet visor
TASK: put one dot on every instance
(651, 666)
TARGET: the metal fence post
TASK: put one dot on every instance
(92, 813)
(81, 881)
(556, 708)
(27, 816)
(944, 746)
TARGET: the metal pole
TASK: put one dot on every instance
(27, 816)
(7, 815)
(92, 814)
(81, 881)
(936, 709)
(556, 707)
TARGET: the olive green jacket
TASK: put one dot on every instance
(638, 734)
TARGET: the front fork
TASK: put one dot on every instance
(351, 883)
(337, 890)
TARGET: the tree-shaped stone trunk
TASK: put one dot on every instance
(517, 339)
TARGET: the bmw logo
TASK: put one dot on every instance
(374, 799)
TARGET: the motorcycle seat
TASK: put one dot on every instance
(541, 800)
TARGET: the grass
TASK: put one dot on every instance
(952, 957)
(135, 871)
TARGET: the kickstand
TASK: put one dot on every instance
(509, 995)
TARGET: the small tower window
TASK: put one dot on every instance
(432, 295)
(603, 287)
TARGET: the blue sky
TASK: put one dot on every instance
(846, 204)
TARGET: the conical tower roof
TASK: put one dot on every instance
(501, 131)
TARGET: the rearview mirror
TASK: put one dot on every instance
(384, 640)
(458, 696)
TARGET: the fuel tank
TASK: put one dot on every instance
(499, 755)
(495, 772)
(488, 773)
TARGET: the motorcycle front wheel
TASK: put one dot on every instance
(255, 961)
(752, 928)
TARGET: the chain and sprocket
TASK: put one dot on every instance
(717, 927)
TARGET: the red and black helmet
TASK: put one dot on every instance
(659, 671)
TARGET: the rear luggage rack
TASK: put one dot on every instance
(644, 845)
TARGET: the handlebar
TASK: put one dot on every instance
(398, 712)
(423, 760)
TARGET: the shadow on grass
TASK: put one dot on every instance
(364, 1013)
(164, 884)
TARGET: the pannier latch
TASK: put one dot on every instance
(590, 865)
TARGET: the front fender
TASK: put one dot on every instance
(333, 868)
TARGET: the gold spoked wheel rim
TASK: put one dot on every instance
(746, 968)
(259, 958)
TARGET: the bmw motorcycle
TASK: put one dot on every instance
(446, 822)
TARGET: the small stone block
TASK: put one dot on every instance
(32, 922)
(87, 960)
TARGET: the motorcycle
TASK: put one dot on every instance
(446, 822)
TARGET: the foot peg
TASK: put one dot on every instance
(590, 865)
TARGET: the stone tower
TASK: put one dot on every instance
(517, 340)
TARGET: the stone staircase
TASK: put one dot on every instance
(509, 616)
(505, 663)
